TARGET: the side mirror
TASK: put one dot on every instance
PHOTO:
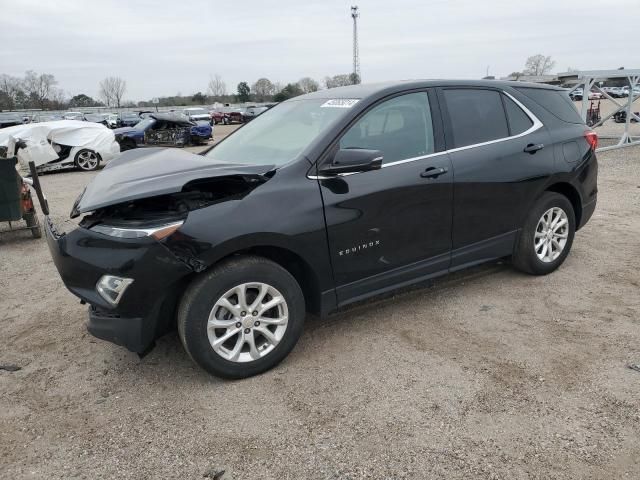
(352, 160)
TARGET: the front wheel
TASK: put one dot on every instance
(547, 235)
(241, 318)
(87, 160)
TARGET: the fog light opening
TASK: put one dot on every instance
(111, 288)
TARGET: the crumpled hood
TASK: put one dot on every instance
(148, 172)
(123, 130)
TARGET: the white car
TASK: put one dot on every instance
(197, 114)
(73, 116)
(618, 92)
(62, 144)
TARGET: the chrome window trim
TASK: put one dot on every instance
(537, 125)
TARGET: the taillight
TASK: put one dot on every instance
(592, 139)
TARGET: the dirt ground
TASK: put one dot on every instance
(487, 374)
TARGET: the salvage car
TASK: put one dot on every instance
(621, 117)
(101, 118)
(227, 115)
(128, 119)
(252, 112)
(10, 120)
(73, 116)
(198, 115)
(63, 144)
(169, 129)
(327, 199)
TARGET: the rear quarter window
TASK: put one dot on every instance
(556, 102)
(477, 116)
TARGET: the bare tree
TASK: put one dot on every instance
(217, 88)
(10, 87)
(538, 65)
(338, 81)
(112, 90)
(39, 87)
(262, 89)
(308, 85)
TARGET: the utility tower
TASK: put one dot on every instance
(356, 55)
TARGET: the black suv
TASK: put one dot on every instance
(324, 200)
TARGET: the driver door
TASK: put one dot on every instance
(391, 226)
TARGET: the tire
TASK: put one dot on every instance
(526, 257)
(34, 224)
(201, 300)
(87, 160)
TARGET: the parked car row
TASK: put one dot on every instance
(594, 94)
(225, 115)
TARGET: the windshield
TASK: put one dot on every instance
(143, 124)
(279, 135)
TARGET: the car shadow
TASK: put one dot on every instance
(169, 357)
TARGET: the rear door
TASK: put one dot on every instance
(390, 226)
(501, 157)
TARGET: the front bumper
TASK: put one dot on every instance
(147, 308)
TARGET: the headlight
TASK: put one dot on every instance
(159, 232)
(112, 288)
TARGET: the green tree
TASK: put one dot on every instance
(243, 92)
(199, 98)
(289, 91)
(82, 100)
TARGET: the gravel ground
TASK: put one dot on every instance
(486, 374)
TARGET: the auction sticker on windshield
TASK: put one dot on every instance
(340, 103)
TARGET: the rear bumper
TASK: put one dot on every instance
(587, 212)
(146, 309)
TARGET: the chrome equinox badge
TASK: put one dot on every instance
(359, 248)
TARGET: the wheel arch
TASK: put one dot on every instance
(297, 267)
(572, 194)
(292, 262)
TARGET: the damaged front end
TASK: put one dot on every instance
(160, 216)
(128, 259)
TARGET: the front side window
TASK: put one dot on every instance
(400, 128)
(477, 116)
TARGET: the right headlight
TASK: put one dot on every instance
(159, 232)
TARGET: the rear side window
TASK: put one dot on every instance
(556, 102)
(519, 121)
(477, 116)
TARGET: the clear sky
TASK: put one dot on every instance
(165, 47)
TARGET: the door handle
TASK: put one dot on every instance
(533, 148)
(433, 172)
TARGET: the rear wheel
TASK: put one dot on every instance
(87, 160)
(242, 317)
(547, 236)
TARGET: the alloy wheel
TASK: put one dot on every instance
(551, 234)
(87, 160)
(247, 322)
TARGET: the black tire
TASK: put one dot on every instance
(34, 224)
(525, 258)
(201, 296)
